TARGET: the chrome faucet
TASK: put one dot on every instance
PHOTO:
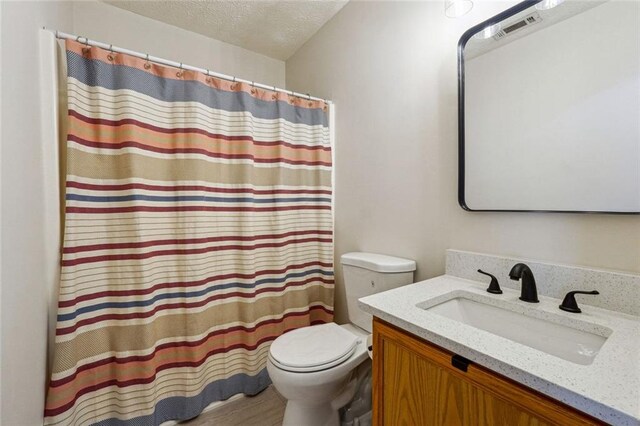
(529, 292)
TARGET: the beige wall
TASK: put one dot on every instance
(391, 69)
(0, 227)
(25, 300)
(24, 276)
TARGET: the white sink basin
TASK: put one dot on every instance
(568, 343)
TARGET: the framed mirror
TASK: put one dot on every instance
(549, 109)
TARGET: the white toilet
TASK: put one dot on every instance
(312, 366)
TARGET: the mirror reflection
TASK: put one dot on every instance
(551, 109)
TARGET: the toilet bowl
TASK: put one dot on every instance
(315, 393)
(313, 367)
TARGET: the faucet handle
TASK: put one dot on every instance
(494, 287)
(569, 303)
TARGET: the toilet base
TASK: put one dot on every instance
(298, 414)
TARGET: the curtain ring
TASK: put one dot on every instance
(86, 49)
(111, 56)
(147, 65)
(253, 88)
(208, 79)
(180, 73)
(274, 96)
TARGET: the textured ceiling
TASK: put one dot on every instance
(272, 28)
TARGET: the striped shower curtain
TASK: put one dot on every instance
(198, 228)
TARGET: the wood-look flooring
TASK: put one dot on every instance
(264, 409)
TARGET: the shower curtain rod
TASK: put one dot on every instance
(85, 40)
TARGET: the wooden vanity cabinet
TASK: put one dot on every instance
(415, 383)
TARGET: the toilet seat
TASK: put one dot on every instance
(313, 348)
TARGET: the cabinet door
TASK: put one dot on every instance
(415, 384)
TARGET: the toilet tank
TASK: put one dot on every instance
(370, 273)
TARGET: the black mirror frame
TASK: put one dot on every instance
(461, 161)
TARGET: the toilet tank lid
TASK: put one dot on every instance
(378, 262)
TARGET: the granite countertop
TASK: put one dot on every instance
(607, 389)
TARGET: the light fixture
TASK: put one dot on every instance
(488, 31)
(548, 4)
(457, 8)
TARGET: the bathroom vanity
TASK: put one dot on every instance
(419, 383)
(448, 352)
